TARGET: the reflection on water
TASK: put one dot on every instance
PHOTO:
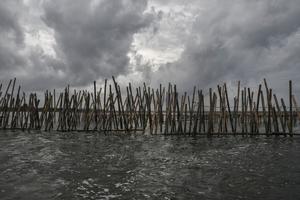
(75, 165)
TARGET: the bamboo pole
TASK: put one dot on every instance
(296, 106)
(291, 108)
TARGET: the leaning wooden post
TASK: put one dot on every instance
(285, 114)
(257, 108)
(280, 113)
(250, 99)
(296, 106)
(237, 107)
(220, 129)
(104, 106)
(192, 110)
(229, 112)
(270, 115)
(209, 129)
(291, 108)
(95, 106)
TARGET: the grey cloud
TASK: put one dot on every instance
(11, 37)
(30, 65)
(229, 40)
(245, 40)
(9, 20)
(94, 40)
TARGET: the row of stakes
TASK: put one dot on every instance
(155, 111)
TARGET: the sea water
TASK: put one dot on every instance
(77, 165)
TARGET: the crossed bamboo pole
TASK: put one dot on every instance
(156, 111)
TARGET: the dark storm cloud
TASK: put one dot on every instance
(93, 39)
(229, 40)
(11, 37)
(9, 20)
(242, 39)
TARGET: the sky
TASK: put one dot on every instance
(48, 44)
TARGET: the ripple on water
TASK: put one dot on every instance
(95, 166)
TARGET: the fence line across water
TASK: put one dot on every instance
(157, 111)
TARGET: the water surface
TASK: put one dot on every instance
(41, 165)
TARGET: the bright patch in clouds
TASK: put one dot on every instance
(51, 43)
(165, 40)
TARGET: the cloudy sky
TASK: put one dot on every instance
(51, 43)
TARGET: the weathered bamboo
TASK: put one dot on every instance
(296, 106)
(160, 110)
(291, 109)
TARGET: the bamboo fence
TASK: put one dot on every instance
(156, 111)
